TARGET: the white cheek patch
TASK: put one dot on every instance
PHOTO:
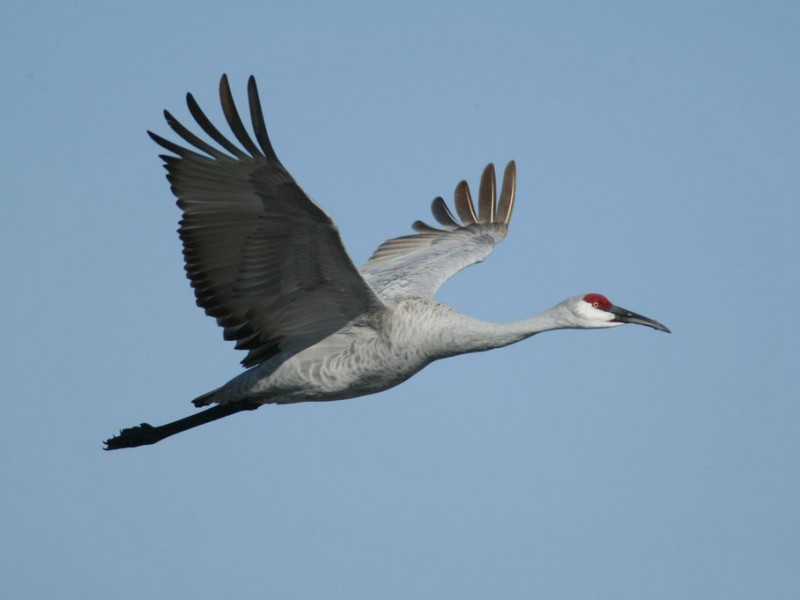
(595, 317)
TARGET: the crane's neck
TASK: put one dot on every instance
(466, 334)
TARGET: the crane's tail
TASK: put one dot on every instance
(206, 399)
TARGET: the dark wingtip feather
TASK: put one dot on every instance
(487, 194)
(171, 146)
(234, 120)
(506, 205)
(191, 138)
(442, 214)
(210, 129)
(257, 118)
(421, 227)
(464, 205)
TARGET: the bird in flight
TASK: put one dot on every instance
(268, 264)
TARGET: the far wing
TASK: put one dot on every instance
(262, 257)
(417, 265)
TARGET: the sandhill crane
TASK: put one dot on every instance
(268, 264)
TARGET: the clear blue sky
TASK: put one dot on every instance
(658, 158)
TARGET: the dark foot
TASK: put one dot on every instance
(141, 435)
(146, 434)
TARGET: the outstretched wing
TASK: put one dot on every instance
(417, 265)
(264, 260)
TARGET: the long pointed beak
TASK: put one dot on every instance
(623, 315)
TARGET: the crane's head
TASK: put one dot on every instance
(592, 311)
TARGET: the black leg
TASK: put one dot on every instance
(145, 434)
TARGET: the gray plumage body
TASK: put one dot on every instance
(369, 355)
